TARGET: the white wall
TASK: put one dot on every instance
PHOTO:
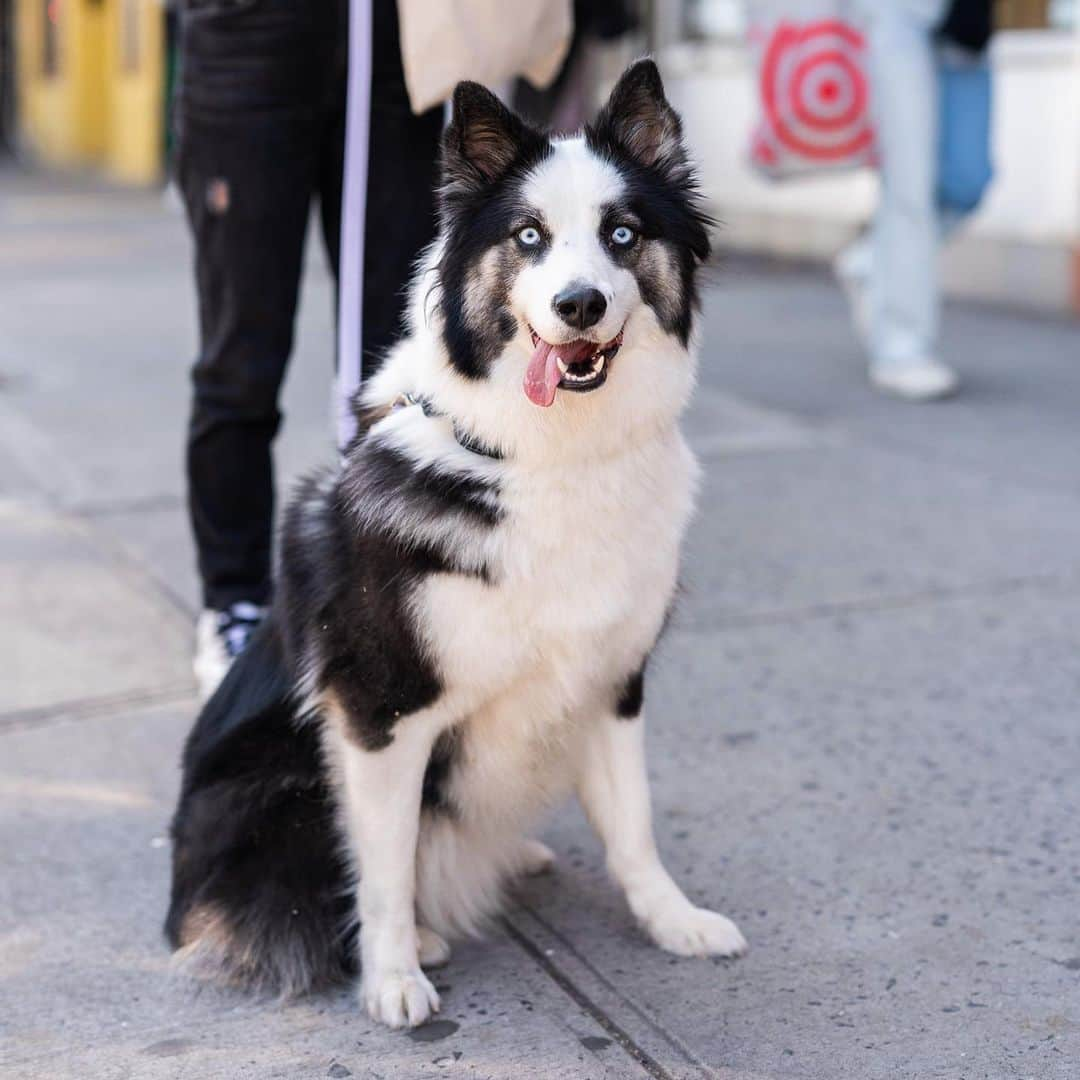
(1036, 191)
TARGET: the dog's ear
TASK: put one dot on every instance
(638, 121)
(483, 140)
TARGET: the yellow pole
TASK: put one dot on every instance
(60, 79)
(90, 83)
(135, 59)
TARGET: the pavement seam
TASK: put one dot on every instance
(86, 708)
(644, 1016)
(649, 1065)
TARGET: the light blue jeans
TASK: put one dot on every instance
(898, 255)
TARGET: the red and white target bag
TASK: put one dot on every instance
(813, 89)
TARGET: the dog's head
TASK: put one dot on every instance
(566, 267)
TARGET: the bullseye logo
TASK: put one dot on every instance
(814, 97)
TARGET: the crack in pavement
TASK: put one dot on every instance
(87, 708)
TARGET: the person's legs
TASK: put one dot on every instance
(331, 153)
(248, 244)
(331, 168)
(904, 293)
(246, 167)
(402, 174)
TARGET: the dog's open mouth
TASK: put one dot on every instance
(571, 365)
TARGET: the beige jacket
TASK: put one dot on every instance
(444, 41)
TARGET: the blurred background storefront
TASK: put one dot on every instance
(1023, 246)
(84, 86)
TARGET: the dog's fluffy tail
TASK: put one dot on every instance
(260, 893)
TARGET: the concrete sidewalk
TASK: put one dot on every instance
(865, 720)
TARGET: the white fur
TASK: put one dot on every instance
(596, 493)
(614, 790)
(381, 812)
(429, 442)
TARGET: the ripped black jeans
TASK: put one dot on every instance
(260, 126)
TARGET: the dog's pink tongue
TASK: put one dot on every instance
(542, 375)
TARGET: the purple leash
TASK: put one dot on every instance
(353, 206)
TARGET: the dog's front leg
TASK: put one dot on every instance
(382, 794)
(614, 789)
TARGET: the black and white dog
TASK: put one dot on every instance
(465, 609)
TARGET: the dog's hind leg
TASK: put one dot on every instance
(535, 858)
(432, 948)
(614, 789)
(381, 798)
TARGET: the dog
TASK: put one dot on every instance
(466, 607)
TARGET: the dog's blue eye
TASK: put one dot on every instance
(529, 236)
(622, 236)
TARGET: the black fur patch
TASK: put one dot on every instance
(437, 774)
(391, 477)
(259, 884)
(345, 583)
(486, 153)
(476, 445)
(640, 134)
(631, 695)
(638, 118)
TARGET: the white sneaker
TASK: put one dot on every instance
(220, 637)
(920, 380)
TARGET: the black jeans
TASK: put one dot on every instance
(260, 115)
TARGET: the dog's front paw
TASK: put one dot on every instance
(692, 931)
(399, 998)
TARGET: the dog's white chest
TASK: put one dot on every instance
(584, 569)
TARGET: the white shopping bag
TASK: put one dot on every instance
(813, 89)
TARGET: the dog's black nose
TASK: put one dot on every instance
(580, 306)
